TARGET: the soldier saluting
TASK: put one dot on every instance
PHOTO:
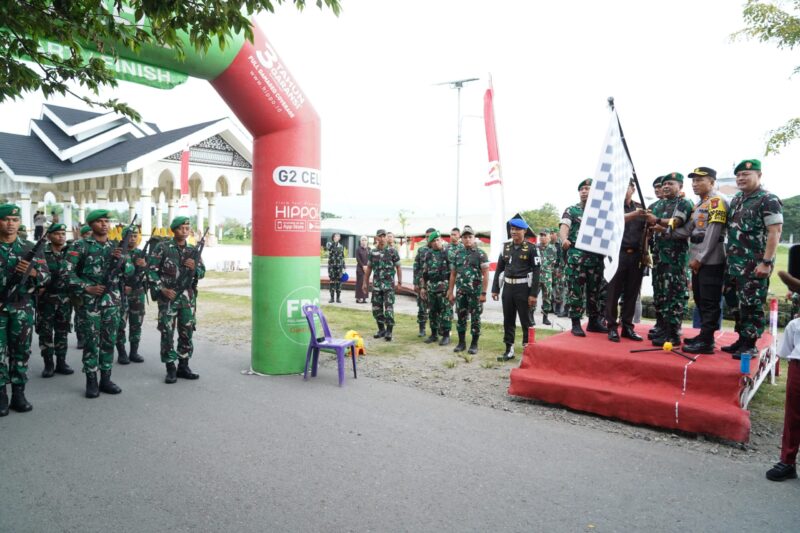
(520, 263)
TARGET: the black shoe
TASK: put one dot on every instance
(473, 346)
(380, 334)
(388, 336)
(577, 330)
(462, 343)
(508, 355)
(445, 339)
(630, 333)
(671, 335)
(62, 367)
(422, 331)
(134, 355)
(595, 325)
(106, 385)
(693, 340)
(338, 297)
(733, 348)
(184, 372)
(782, 472)
(91, 385)
(18, 401)
(700, 345)
(747, 346)
(3, 401)
(122, 357)
(171, 373)
(613, 336)
(49, 366)
(545, 320)
(656, 331)
(433, 338)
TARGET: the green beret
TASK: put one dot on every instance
(9, 210)
(748, 164)
(86, 229)
(657, 181)
(178, 221)
(587, 181)
(96, 214)
(672, 176)
(56, 227)
(433, 236)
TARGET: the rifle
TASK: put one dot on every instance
(10, 292)
(188, 278)
(142, 279)
(116, 264)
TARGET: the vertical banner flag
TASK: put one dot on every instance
(494, 180)
(604, 215)
(183, 205)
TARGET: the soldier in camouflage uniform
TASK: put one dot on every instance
(670, 285)
(172, 261)
(85, 232)
(133, 303)
(422, 305)
(384, 262)
(433, 289)
(584, 270)
(16, 313)
(754, 228)
(53, 306)
(549, 257)
(335, 267)
(469, 278)
(99, 305)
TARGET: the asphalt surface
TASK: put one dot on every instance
(237, 452)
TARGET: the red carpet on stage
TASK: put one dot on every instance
(655, 388)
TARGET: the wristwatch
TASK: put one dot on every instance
(768, 262)
(483, 293)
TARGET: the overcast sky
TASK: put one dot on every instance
(686, 94)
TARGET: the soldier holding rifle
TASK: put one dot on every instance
(133, 304)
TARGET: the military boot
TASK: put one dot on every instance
(184, 372)
(49, 367)
(122, 353)
(545, 320)
(388, 336)
(445, 339)
(596, 325)
(657, 330)
(171, 373)
(134, 355)
(18, 401)
(422, 330)
(433, 338)
(702, 344)
(381, 333)
(331, 300)
(62, 367)
(747, 346)
(462, 342)
(577, 330)
(3, 401)
(91, 385)
(473, 346)
(106, 385)
(733, 348)
(338, 297)
(508, 355)
(79, 346)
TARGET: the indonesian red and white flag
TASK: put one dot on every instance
(494, 180)
(183, 204)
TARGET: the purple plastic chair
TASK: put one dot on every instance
(326, 342)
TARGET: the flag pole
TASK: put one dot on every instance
(627, 152)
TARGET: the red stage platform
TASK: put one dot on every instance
(655, 388)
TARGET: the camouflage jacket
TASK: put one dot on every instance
(88, 261)
(673, 245)
(468, 266)
(10, 254)
(335, 254)
(165, 267)
(419, 263)
(383, 264)
(436, 270)
(137, 279)
(453, 250)
(748, 219)
(57, 289)
(572, 217)
(549, 256)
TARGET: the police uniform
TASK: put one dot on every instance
(469, 273)
(520, 266)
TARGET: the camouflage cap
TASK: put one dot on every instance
(178, 221)
(748, 164)
(587, 181)
(56, 227)
(467, 231)
(9, 210)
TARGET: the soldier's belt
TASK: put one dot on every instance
(697, 239)
(515, 281)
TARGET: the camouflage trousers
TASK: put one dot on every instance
(440, 312)
(53, 325)
(335, 277)
(584, 283)
(558, 286)
(468, 307)
(76, 322)
(99, 326)
(422, 312)
(16, 330)
(670, 292)
(383, 307)
(546, 286)
(748, 294)
(170, 317)
(132, 312)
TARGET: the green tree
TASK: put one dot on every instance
(324, 215)
(98, 24)
(791, 218)
(545, 217)
(771, 22)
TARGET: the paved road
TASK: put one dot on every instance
(234, 452)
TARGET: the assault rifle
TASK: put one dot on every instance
(116, 263)
(188, 278)
(142, 278)
(10, 292)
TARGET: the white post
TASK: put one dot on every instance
(212, 217)
(82, 211)
(24, 203)
(200, 216)
(67, 214)
(147, 221)
(132, 211)
(170, 211)
(102, 199)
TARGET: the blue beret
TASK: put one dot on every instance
(518, 223)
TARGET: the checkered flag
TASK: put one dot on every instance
(604, 215)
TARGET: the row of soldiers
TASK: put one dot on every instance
(106, 284)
